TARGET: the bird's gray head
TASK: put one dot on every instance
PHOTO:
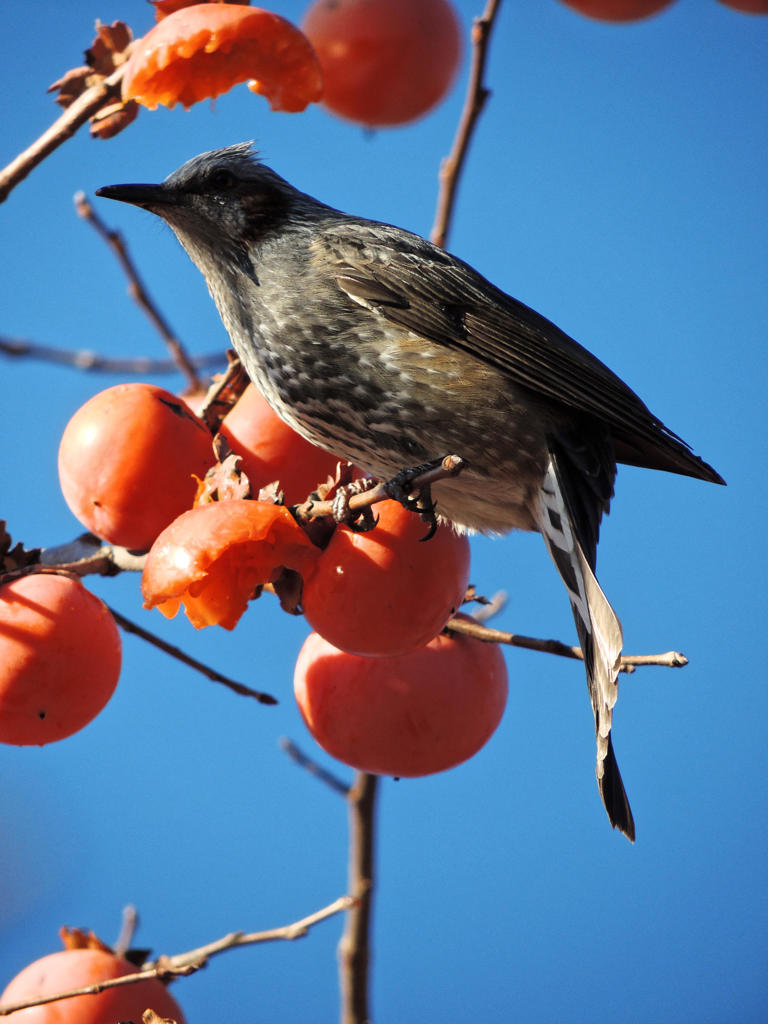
(222, 205)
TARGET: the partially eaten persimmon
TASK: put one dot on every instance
(213, 557)
(165, 7)
(200, 52)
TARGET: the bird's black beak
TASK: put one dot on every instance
(146, 196)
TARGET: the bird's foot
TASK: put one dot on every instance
(411, 487)
(415, 494)
(359, 520)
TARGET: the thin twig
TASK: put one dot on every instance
(128, 926)
(313, 509)
(487, 607)
(670, 659)
(89, 361)
(186, 659)
(476, 96)
(137, 289)
(182, 964)
(63, 128)
(306, 762)
(355, 947)
(150, 1017)
(469, 627)
(223, 394)
(87, 555)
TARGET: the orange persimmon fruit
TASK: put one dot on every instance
(128, 459)
(199, 52)
(271, 450)
(618, 10)
(60, 656)
(747, 6)
(75, 968)
(412, 715)
(384, 62)
(387, 591)
(165, 7)
(213, 557)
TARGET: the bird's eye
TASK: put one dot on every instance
(222, 179)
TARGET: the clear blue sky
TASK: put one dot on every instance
(617, 183)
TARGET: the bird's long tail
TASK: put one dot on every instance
(561, 521)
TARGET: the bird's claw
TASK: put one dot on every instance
(400, 489)
(358, 520)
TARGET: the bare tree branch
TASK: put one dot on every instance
(186, 659)
(150, 1017)
(313, 509)
(670, 659)
(224, 393)
(128, 926)
(63, 128)
(88, 555)
(488, 606)
(477, 94)
(303, 761)
(89, 361)
(167, 967)
(355, 948)
(137, 289)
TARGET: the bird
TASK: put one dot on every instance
(389, 352)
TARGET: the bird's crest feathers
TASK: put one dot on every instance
(242, 159)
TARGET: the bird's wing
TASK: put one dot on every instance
(431, 293)
(421, 288)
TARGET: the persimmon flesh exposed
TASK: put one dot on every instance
(199, 52)
(165, 7)
(212, 558)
